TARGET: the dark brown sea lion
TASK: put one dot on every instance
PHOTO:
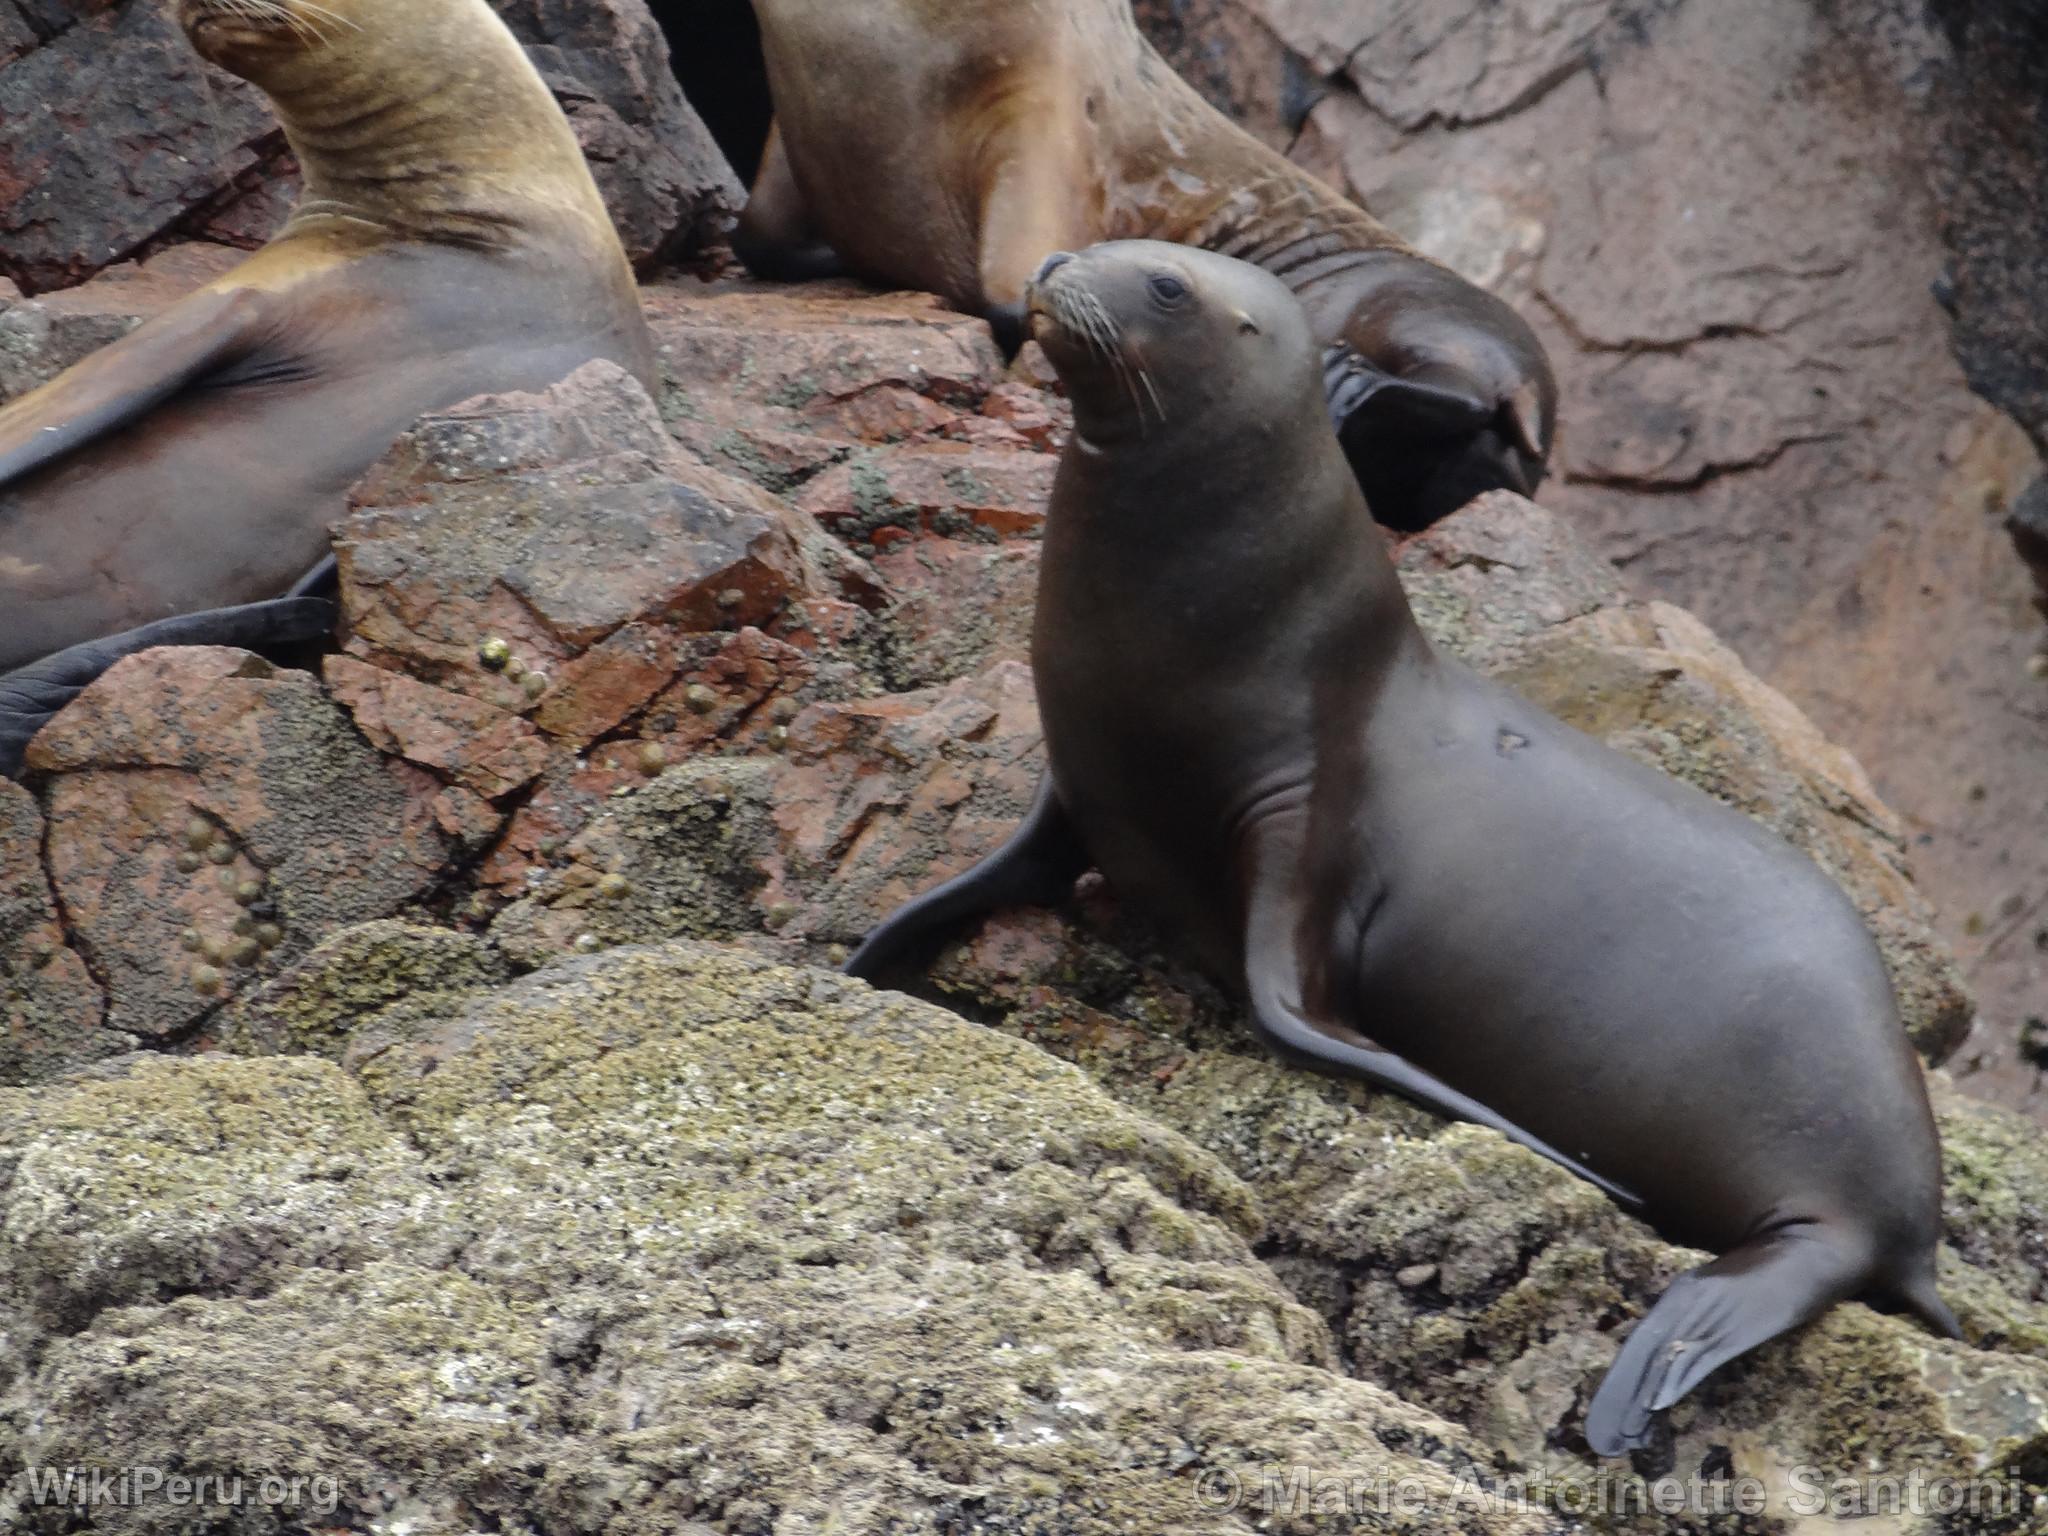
(1368, 839)
(949, 144)
(450, 242)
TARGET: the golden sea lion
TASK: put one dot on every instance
(449, 242)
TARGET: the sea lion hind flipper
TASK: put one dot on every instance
(128, 378)
(1027, 214)
(1036, 867)
(775, 238)
(1713, 1314)
(1274, 988)
(30, 695)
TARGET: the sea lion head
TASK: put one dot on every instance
(246, 36)
(1150, 337)
(422, 116)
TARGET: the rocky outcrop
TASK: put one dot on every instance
(673, 1238)
(1991, 168)
(210, 814)
(666, 1240)
(115, 138)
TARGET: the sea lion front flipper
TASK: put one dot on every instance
(128, 378)
(1748, 1296)
(30, 695)
(1026, 216)
(1273, 984)
(324, 580)
(1037, 867)
(775, 237)
(1426, 440)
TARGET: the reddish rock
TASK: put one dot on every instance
(724, 693)
(948, 488)
(258, 779)
(550, 522)
(1042, 420)
(608, 684)
(50, 1006)
(868, 803)
(458, 738)
(777, 383)
(961, 604)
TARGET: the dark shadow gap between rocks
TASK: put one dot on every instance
(715, 48)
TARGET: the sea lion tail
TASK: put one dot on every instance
(30, 695)
(1712, 1314)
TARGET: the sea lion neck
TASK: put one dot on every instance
(457, 141)
(1246, 200)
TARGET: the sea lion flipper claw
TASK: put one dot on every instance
(1036, 867)
(1711, 1315)
(127, 379)
(30, 695)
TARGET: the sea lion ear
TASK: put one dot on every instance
(1246, 325)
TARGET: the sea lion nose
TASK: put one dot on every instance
(1052, 264)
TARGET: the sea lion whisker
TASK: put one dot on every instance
(1158, 405)
(322, 12)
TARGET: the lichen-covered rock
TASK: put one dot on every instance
(877, 799)
(666, 1237)
(1487, 1285)
(777, 384)
(51, 1007)
(212, 817)
(948, 488)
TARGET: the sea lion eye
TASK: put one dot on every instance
(1167, 288)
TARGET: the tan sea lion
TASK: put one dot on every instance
(1412, 874)
(450, 242)
(948, 145)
